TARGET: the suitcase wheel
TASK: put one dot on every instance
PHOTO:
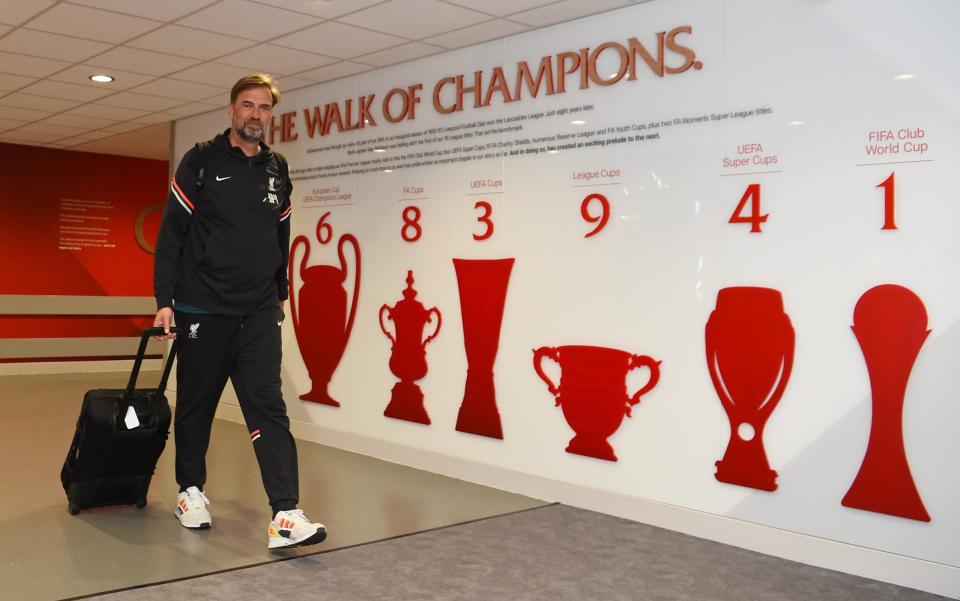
(73, 508)
(141, 503)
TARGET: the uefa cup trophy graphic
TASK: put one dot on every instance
(750, 346)
(483, 292)
(593, 392)
(409, 358)
(322, 324)
(890, 323)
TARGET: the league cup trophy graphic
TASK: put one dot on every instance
(890, 323)
(593, 392)
(323, 325)
(483, 291)
(750, 346)
(409, 359)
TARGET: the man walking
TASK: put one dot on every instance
(220, 272)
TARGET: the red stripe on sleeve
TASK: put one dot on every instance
(182, 195)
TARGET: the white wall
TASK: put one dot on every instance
(647, 283)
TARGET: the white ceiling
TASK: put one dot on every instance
(176, 58)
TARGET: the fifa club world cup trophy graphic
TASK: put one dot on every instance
(890, 323)
(483, 292)
(408, 360)
(593, 392)
(321, 320)
(750, 346)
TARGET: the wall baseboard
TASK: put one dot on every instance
(905, 571)
(76, 367)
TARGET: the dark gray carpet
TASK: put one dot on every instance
(555, 553)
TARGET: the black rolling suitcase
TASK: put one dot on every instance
(115, 449)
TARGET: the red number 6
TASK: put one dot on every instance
(324, 231)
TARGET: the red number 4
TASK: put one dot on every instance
(754, 218)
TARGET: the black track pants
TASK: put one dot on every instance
(247, 350)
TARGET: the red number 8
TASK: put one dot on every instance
(411, 218)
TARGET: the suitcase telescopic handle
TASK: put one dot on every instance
(144, 338)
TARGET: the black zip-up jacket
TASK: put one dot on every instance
(223, 244)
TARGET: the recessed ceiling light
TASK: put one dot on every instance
(795, 123)
(379, 149)
(100, 78)
(388, 170)
(578, 122)
(904, 76)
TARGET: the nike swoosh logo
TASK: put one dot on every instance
(279, 323)
(220, 179)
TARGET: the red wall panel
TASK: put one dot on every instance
(69, 225)
(53, 198)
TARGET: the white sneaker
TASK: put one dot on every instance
(192, 509)
(293, 529)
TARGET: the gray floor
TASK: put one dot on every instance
(45, 553)
(554, 553)
(512, 547)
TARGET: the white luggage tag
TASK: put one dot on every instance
(131, 419)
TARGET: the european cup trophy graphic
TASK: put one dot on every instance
(408, 360)
(593, 392)
(890, 323)
(483, 292)
(321, 321)
(750, 346)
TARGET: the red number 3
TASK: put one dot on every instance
(484, 219)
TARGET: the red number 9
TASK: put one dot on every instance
(603, 217)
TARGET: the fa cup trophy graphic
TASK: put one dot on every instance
(890, 323)
(409, 358)
(750, 345)
(593, 392)
(323, 324)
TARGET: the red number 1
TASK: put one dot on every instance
(754, 218)
(888, 200)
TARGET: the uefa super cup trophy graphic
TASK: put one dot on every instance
(750, 346)
(890, 323)
(408, 360)
(483, 292)
(323, 324)
(593, 392)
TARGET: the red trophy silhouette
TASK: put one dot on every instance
(593, 392)
(323, 325)
(409, 359)
(890, 323)
(483, 291)
(750, 345)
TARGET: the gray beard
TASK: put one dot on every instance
(249, 134)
